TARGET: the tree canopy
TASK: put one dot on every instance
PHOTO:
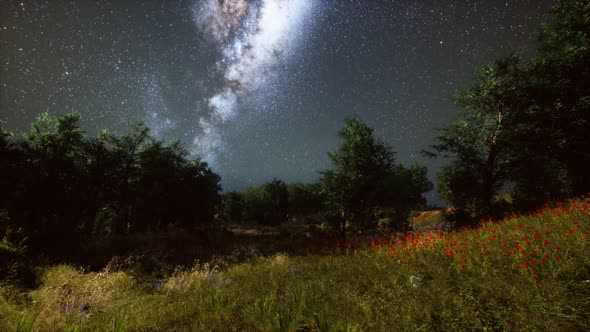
(524, 124)
(56, 181)
(365, 176)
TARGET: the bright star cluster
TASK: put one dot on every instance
(253, 37)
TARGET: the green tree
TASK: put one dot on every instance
(51, 189)
(558, 113)
(278, 201)
(479, 141)
(305, 199)
(365, 177)
(267, 204)
(527, 125)
(401, 191)
(255, 204)
(233, 207)
(127, 150)
(61, 187)
(198, 196)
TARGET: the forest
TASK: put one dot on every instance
(519, 146)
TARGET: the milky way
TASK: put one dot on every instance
(253, 37)
(259, 88)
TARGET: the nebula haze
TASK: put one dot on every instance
(253, 37)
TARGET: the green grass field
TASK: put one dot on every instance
(522, 273)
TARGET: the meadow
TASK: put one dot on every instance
(525, 272)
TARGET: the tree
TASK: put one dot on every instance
(198, 194)
(478, 141)
(305, 199)
(525, 125)
(559, 92)
(127, 149)
(365, 177)
(278, 201)
(51, 191)
(402, 191)
(62, 188)
(233, 207)
(267, 204)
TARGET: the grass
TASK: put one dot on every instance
(527, 272)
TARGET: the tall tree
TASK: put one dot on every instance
(267, 204)
(305, 199)
(278, 198)
(365, 177)
(54, 149)
(233, 207)
(559, 91)
(127, 149)
(478, 142)
(525, 124)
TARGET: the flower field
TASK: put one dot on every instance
(528, 272)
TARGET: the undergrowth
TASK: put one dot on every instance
(526, 272)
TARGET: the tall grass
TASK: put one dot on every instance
(527, 272)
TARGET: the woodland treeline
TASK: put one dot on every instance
(522, 138)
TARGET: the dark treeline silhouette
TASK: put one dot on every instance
(524, 126)
(59, 186)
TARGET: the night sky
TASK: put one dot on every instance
(258, 88)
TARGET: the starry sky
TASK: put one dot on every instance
(258, 88)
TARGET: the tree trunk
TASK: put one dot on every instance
(489, 181)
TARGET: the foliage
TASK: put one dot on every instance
(365, 177)
(559, 92)
(267, 204)
(59, 184)
(176, 190)
(479, 140)
(233, 207)
(525, 125)
(305, 199)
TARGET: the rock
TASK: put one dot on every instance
(416, 281)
